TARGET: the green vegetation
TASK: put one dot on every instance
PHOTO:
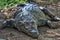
(8, 3)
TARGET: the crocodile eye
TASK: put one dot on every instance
(32, 22)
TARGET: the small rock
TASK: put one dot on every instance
(57, 34)
(51, 31)
(58, 38)
(49, 39)
(10, 35)
(2, 39)
(50, 35)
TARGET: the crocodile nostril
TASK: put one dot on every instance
(33, 30)
(35, 34)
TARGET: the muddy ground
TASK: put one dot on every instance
(45, 32)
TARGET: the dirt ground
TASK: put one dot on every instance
(45, 32)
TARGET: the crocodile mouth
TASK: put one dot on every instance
(28, 26)
(32, 33)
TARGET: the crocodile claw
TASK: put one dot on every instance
(56, 18)
(52, 25)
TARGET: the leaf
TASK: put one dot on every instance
(9, 3)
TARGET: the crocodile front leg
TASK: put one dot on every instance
(47, 22)
(3, 25)
(51, 24)
(8, 23)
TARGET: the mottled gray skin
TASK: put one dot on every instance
(29, 18)
(26, 21)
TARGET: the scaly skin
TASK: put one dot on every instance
(27, 18)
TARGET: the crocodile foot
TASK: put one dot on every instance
(52, 25)
(56, 18)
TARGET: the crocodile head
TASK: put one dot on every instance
(27, 24)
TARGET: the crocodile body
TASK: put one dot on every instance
(27, 18)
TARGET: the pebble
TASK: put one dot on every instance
(57, 34)
(2, 39)
(50, 35)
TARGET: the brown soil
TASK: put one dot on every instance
(45, 33)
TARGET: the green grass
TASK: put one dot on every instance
(9, 3)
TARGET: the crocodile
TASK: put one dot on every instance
(28, 17)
